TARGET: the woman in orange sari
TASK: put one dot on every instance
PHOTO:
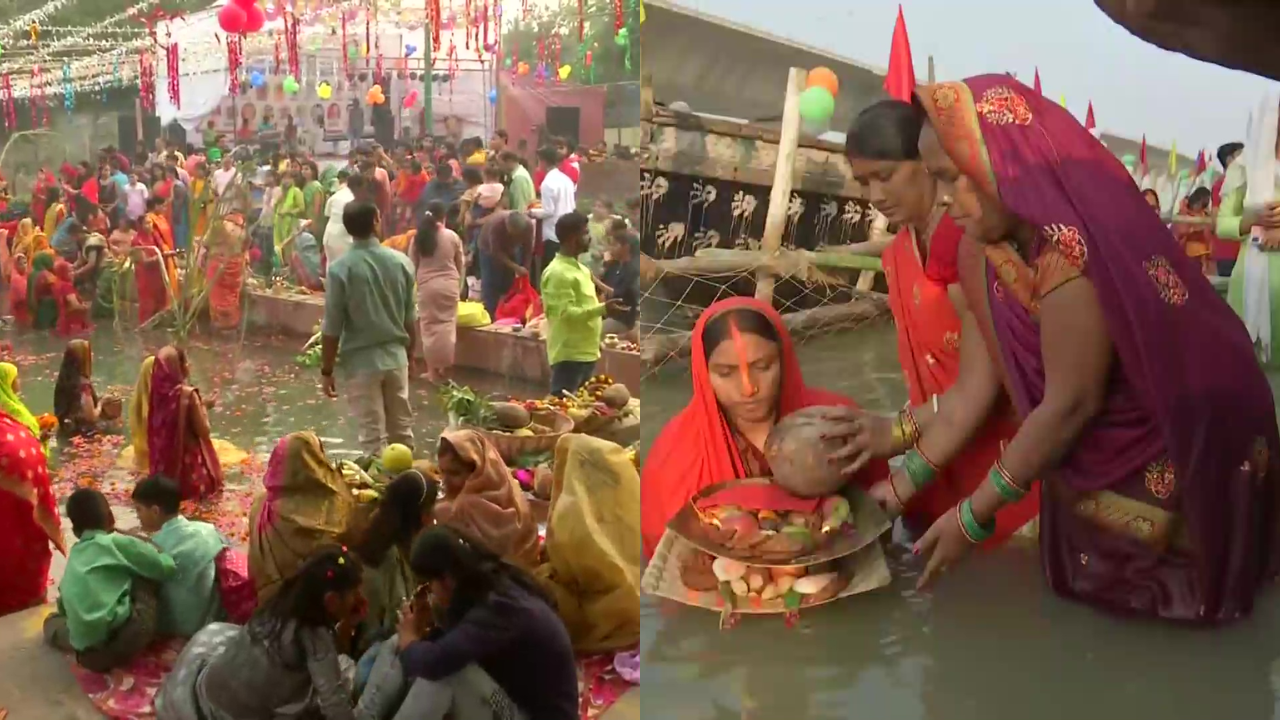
(924, 294)
(178, 437)
(482, 499)
(153, 261)
(29, 514)
(227, 263)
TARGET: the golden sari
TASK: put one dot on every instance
(138, 409)
(53, 217)
(593, 553)
(489, 506)
(306, 505)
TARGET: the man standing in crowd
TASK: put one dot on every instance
(371, 314)
(1225, 252)
(135, 197)
(520, 193)
(337, 241)
(506, 251)
(574, 315)
(559, 198)
(223, 176)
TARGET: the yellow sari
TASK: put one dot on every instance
(201, 216)
(53, 217)
(593, 552)
(138, 416)
(307, 504)
(24, 239)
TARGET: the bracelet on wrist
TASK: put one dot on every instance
(1006, 487)
(974, 531)
(896, 497)
(910, 428)
(919, 469)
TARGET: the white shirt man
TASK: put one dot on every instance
(135, 198)
(337, 241)
(222, 177)
(559, 197)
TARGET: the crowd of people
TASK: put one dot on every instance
(1071, 371)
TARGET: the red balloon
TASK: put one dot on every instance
(254, 18)
(231, 18)
(244, 4)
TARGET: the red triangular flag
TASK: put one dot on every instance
(1089, 124)
(1038, 82)
(1142, 155)
(900, 81)
(1200, 163)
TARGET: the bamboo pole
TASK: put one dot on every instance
(931, 75)
(775, 222)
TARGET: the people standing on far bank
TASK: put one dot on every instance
(574, 314)
(370, 309)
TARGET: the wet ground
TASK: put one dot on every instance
(988, 642)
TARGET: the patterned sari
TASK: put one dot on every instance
(29, 514)
(154, 238)
(175, 448)
(1166, 505)
(227, 264)
(929, 350)
(306, 505)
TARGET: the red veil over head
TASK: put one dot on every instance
(695, 449)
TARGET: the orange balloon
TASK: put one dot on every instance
(823, 77)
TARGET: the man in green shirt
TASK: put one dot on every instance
(574, 314)
(107, 597)
(191, 598)
(520, 193)
(370, 328)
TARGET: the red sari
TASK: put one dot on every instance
(149, 270)
(71, 321)
(174, 448)
(929, 350)
(29, 515)
(698, 447)
(18, 298)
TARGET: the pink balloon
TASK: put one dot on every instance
(411, 99)
(231, 18)
(254, 18)
(244, 4)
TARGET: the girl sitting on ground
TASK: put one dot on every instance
(107, 600)
(486, 646)
(288, 662)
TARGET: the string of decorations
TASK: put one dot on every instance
(10, 114)
(35, 17)
(68, 90)
(47, 49)
(174, 77)
(147, 81)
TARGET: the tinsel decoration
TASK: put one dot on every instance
(68, 90)
(467, 19)
(453, 65)
(346, 65)
(484, 23)
(275, 64)
(582, 20)
(368, 39)
(39, 102)
(147, 81)
(116, 80)
(235, 57)
(10, 115)
(435, 25)
(171, 66)
(291, 42)
(524, 9)
(377, 48)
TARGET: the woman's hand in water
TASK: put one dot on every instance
(942, 546)
(892, 492)
(863, 436)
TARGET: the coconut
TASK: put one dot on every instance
(511, 416)
(800, 458)
(616, 396)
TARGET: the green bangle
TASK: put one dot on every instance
(974, 531)
(1008, 491)
(920, 471)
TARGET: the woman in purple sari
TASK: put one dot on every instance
(1142, 406)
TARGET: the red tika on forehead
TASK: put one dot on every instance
(748, 388)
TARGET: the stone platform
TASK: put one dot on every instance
(490, 349)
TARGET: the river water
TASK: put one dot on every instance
(988, 642)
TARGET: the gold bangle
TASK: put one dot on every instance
(910, 428)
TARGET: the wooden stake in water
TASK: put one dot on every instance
(775, 221)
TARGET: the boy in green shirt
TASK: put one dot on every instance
(574, 314)
(107, 599)
(191, 598)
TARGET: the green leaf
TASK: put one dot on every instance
(791, 600)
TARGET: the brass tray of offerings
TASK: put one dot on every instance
(756, 522)
(681, 572)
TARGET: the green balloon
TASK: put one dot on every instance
(506, 63)
(622, 38)
(817, 105)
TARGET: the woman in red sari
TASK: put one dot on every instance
(920, 267)
(153, 261)
(29, 515)
(73, 314)
(1144, 411)
(178, 439)
(18, 292)
(746, 377)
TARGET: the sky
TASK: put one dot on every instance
(1135, 87)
